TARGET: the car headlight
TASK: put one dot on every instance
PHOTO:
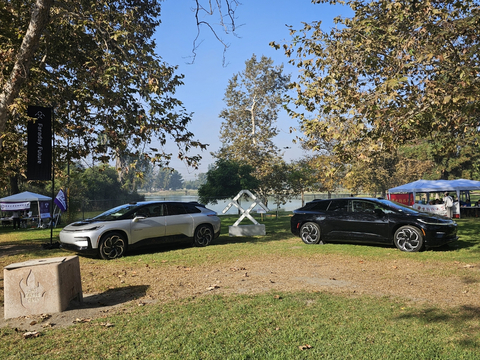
(423, 221)
(95, 227)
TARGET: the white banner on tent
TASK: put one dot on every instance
(15, 206)
(436, 209)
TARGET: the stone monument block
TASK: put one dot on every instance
(41, 286)
(246, 230)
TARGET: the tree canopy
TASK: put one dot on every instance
(94, 62)
(253, 98)
(225, 180)
(395, 72)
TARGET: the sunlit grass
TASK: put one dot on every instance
(268, 326)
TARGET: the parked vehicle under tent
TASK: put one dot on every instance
(460, 189)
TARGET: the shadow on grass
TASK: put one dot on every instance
(110, 297)
(457, 318)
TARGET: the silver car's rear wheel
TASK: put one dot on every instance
(408, 238)
(310, 233)
(203, 235)
(112, 246)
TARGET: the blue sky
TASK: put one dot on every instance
(259, 22)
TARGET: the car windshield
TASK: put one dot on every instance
(399, 207)
(115, 213)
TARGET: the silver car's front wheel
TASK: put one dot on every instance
(203, 235)
(408, 238)
(310, 233)
(112, 246)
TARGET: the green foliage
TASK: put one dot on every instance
(200, 179)
(95, 188)
(96, 65)
(395, 72)
(225, 180)
(253, 98)
(176, 181)
(166, 178)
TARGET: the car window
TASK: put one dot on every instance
(175, 209)
(338, 206)
(191, 208)
(151, 210)
(320, 206)
(115, 213)
(360, 206)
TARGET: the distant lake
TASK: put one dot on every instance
(222, 204)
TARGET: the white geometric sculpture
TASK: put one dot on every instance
(246, 230)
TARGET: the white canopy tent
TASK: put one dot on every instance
(428, 186)
(24, 198)
(440, 186)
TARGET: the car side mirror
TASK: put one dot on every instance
(137, 218)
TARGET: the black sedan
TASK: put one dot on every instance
(368, 220)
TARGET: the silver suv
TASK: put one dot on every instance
(115, 231)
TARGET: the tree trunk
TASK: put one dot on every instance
(14, 189)
(21, 68)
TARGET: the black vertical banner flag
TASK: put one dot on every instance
(39, 147)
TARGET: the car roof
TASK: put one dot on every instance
(140, 203)
(349, 198)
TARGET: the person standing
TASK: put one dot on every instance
(16, 219)
(448, 201)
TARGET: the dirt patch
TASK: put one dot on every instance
(438, 284)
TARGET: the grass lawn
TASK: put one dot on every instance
(270, 325)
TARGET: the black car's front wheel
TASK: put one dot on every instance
(310, 233)
(408, 238)
(112, 246)
(203, 235)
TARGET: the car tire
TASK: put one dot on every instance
(310, 233)
(112, 246)
(203, 235)
(408, 238)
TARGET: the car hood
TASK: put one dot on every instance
(84, 224)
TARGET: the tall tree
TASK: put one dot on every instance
(394, 72)
(225, 179)
(176, 180)
(94, 61)
(252, 99)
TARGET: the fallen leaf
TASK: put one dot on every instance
(305, 347)
(31, 334)
(213, 287)
(83, 320)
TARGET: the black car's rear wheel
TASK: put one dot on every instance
(310, 233)
(112, 246)
(203, 235)
(408, 238)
